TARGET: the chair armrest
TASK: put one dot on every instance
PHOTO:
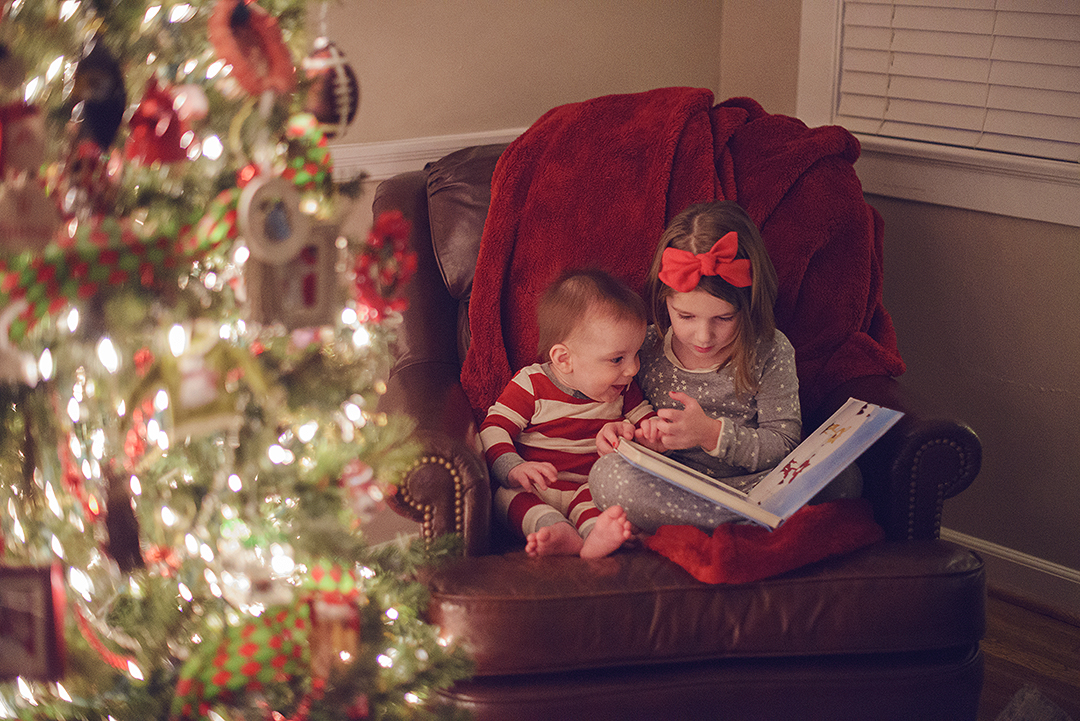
(919, 463)
(447, 489)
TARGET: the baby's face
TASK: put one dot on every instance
(604, 356)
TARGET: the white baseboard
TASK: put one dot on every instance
(1044, 582)
(382, 160)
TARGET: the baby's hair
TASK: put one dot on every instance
(696, 229)
(573, 296)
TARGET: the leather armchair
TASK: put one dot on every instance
(891, 631)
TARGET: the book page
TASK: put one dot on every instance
(822, 456)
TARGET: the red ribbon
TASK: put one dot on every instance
(681, 269)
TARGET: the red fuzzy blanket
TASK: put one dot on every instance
(594, 183)
(741, 553)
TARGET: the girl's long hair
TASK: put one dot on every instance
(696, 229)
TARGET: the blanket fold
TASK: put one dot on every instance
(594, 184)
(742, 553)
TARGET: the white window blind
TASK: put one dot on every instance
(997, 75)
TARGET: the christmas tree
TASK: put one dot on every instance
(191, 354)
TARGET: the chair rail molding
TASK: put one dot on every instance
(382, 160)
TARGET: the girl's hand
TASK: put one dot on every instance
(533, 475)
(648, 434)
(609, 436)
(688, 427)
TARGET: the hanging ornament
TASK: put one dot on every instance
(22, 140)
(300, 291)
(363, 493)
(248, 38)
(190, 102)
(205, 382)
(12, 69)
(309, 165)
(271, 221)
(28, 217)
(17, 368)
(156, 129)
(254, 577)
(98, 96)
(254, 655)
(334, 94)
(335, 595)
(383, 266)
(88, 181)
(289, 278)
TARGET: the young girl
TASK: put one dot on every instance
(713, 364)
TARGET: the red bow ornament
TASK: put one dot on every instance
(681, 269)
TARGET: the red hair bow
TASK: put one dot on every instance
(681, 269)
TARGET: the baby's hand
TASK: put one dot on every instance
(532, 475)
(648, 434)
(688, 427)
(609, 436)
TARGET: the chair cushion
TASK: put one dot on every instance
(518, 615)
(459, 193)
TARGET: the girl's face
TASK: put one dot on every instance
(703, 329)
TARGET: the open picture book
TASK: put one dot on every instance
(795, 480)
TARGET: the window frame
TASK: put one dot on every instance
(1013, 185)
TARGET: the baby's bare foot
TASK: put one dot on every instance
(560, 539)
(611, 531)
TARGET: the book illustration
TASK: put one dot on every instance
(796, 479)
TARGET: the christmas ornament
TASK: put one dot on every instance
(156, 129)
(89, 180)
(248, 38)
(309, 164)
(270, 220)
(12, 69)
(383, 266)
(98, 96)
(22, 140)
(255, 654)
(28, 217)
(299, 291)
(190, 102)
(255, 577)
(363, 493)
(335, 595)
(17, 368)
(204, 377)
(334, 94)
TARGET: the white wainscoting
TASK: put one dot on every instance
(381, 160)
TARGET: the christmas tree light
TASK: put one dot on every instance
(191, 354)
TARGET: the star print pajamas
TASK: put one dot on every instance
(756, 434)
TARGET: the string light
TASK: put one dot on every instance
(45, 365)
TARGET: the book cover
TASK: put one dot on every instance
(799, 477)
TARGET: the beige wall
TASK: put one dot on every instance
(987, 310)
(987, 307)
(461, 66)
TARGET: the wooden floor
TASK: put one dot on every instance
(1028, 645)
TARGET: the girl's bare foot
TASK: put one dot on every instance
(560, 539)
(610, 532)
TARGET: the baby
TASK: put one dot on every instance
(540, 435)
